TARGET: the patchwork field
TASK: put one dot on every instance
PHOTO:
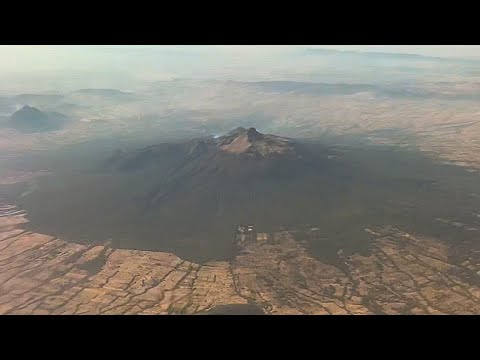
(403, 274)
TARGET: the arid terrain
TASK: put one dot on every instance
(354, 174)
(403, 274)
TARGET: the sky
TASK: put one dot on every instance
(63, 67)
(25, 58)
(463, 51)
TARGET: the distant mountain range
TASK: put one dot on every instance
(101, 92)
(384, 55)
(100, 95)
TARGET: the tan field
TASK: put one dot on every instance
(404, 274)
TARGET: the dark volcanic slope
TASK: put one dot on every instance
(188, 197)
(198, 191)
(30, 120)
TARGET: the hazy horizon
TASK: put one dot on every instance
(58, 68)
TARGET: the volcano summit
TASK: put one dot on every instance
(251, 142)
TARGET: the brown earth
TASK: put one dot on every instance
(403, 274)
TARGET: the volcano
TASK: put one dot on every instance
(32, 120)
(216, 171)
(186, 197)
